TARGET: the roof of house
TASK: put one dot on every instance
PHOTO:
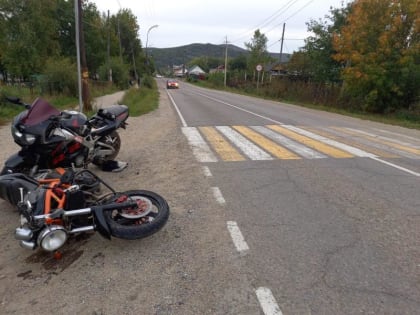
(196, 70)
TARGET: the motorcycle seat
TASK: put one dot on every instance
(113, 112)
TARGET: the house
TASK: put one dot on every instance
(219, 69)
(278, 69)
(196, 70)
(179, 71)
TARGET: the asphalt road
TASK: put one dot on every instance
(322, 209)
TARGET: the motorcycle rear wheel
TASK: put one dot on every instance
(114, 140)
(139, 226)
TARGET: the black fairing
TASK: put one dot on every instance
(18, 161)
(73, 120)
(10, 184)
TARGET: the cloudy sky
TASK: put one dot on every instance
(183, 22)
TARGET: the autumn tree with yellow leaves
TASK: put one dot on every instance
(379, 48)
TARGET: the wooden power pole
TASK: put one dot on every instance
(281, 46)
(85, 73)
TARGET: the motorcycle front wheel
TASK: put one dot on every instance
(149, 217)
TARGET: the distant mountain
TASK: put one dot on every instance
(166, 57)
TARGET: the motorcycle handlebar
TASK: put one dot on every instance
(17, 101)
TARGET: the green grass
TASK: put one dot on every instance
(142, 101)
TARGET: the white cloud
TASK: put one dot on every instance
(184, 22)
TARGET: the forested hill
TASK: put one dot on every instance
(166, 57)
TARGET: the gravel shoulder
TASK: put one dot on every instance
(189, 267)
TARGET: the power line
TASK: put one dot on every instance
(292, 15)
(268, 20)
(308, 3)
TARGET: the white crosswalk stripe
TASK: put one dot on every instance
(248, 148)
(270, 142)
(200, 148)
(336, 144)
(300, 149)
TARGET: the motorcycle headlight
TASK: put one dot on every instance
(30, 139)
(52, 238)
(16, 132)
(27, 139)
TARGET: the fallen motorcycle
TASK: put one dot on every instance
(56, 207)
(50, 138)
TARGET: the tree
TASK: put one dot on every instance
(319, 50)
(29, 36)
(258, 50)
(238, 63)
(126, 27)
(299, 64)
(380, 48)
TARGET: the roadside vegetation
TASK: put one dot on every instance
(139, 100)
(35, 62)
(143, 100)
(38, 53)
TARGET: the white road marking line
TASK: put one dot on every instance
(396, 166)
(237, 237)
(300, 149)
(399, 135)
(383, 138)
(268, 302)
(218, 195)
(237, 107)
(342, 146)
(200, 148)
(207, 172)
(248, 148)
(184, 124)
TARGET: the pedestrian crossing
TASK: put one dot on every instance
(286, 142)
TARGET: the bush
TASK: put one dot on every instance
(120, 72)
(216, 79)
(143, 100)
(148, 81)
(60, 76)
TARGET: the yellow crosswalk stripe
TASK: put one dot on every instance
(226, 151)
(270, 146)
(317, 145)
(355, 144)
(377, 140)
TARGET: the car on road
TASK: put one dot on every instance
(172, 84)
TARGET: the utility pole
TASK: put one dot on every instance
(136, 77)
(85, 73)
(108, 50)
(226, 58)
(79, 71)
(119, 35)
(281, 46)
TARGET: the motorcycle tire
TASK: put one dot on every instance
(114, 140)
(136, 228)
